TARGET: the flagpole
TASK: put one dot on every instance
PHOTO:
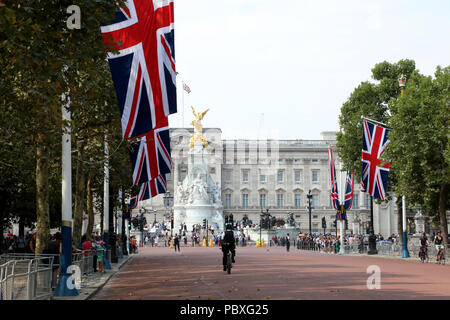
(405, 253)
(182, 99)
(106, 216)
(342, 199)
(377, 122)
(372, 238)
(65, 285)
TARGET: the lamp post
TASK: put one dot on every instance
(309, 196)
(267, 215)
(168, 203)
(372, 237)
(260, 227)
(405, 253)
(141, 223)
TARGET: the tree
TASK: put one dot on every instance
(371, 100)
(35, 46)
(420, 144)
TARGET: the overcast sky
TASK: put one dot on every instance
(295, 61)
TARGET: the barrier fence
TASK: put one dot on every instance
(383, 247)
(22, 278)
(34, 277)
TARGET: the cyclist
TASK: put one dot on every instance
(228, 240)
(423, 242)
(438, 244)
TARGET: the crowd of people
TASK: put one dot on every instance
(19, 244)
(330, 243)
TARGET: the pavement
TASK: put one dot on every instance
(91, 284)
(272, 273)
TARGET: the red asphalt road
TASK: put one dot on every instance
(261, 273)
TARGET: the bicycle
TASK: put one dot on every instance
(441, 257)
(423, 254)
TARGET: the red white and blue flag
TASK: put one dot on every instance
(144, 70)
(333, 182)
(133, 202)
(152, 188)
(150, 156)
(186, 88)
(349, 187)
(374, 174)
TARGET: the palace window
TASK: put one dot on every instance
(298, 200)
(244, 175)
(262, 200)
(262, 177)
(315, 201)
(280, 176)
(245, 200)
(315, 176)
(298, 175)
(280, 200)
(228, 176)
(228, 200)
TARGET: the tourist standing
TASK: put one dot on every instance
(288, 242)
(177, 242)
(100, 255)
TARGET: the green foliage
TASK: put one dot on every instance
(35, 47)
(370, 100)
(419, 143)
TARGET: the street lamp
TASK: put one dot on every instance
(402, 83)
(268, 216)
(168, 203)
(309, 196)
(405, 253)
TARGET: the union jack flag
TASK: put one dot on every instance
(374, 176)
(186, 88)
(144, 70)
(150, 156)
(152, 188)
(349, 186)
(133, 202)
(334, 188)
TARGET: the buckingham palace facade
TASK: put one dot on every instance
(256, 175)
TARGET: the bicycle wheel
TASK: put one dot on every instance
(422, 256)
(229, 264)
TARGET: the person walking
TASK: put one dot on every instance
(94, 253)
(288, 242)
(177, 242)
(100, 255)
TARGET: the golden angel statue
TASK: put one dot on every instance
(198, 128)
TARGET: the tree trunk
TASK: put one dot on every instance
(90, 202)
(42, 195)
(400, 219)
(2, 200)
(79, 194)
(443, 212)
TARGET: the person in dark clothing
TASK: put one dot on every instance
(176, 242)
(288, 242)
(228, 244)
(54, 248)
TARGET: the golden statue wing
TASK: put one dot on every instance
(203, 113)
(194, 112)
